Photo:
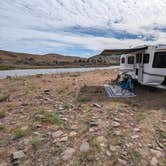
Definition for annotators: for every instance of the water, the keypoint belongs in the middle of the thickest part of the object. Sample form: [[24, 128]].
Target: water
[[30, 72]]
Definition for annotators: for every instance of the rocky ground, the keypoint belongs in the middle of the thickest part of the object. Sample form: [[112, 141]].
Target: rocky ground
[[67, 119]]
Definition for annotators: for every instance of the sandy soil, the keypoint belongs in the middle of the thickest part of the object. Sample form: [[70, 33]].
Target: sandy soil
[[68, 119]]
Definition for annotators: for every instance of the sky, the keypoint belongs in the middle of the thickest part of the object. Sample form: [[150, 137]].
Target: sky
[[80, 27]]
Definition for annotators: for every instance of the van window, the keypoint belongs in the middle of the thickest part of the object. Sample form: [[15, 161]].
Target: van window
[[138, 58], [123, 60], [131, 60], [159, 60], [146, 58]]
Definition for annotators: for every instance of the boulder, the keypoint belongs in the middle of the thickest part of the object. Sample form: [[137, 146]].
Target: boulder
[[18, 155], [115, 124], [154, 161], [68, 153], [57, 134], [84, 147]]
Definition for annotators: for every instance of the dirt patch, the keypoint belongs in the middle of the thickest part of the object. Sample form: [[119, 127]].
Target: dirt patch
[[92, 93]]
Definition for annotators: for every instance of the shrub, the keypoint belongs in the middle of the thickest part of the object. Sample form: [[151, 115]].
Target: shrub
[[2, 127], [83, 99], [66, 106], [36, 142], [4, 97], [2, 114], [39, 112], [54, 118], [49, 117], [19, 133]]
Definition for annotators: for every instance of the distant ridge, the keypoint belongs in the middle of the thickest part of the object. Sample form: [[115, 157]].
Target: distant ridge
[[14, 60]]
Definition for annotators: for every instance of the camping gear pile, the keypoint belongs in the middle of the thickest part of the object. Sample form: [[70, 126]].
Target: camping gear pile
[[122, 86]]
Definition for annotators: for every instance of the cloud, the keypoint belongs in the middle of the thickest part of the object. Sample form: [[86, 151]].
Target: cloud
[[81, 27]]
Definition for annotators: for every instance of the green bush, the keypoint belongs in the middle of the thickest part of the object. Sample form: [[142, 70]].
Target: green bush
[[54, 118], [2, 127], [36, 142], [2, 114], [19, 133]]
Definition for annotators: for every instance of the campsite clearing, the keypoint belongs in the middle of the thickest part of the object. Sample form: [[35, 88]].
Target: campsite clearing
[[68, 119]]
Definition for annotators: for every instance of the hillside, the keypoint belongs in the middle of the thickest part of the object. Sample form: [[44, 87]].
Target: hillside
[[23, 60], [13, 60], [113, 59]]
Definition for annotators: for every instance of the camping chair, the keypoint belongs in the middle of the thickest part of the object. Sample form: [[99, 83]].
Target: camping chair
[[127, 85]]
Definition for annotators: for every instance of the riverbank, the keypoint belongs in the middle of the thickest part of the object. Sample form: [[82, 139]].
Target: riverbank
[[29, 72], [68, 119], [13, 60], [24, 67]]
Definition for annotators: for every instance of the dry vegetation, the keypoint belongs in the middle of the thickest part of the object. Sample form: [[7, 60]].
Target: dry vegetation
[[68, 120], [12, 60]]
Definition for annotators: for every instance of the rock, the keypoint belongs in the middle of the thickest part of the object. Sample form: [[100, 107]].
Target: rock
[[3, 164], [37, 126], [108, 153], [157, 153], [102, 140], [113, 148], [47, 91], [64, 119], [50, 111], [24, 128], [24, 104], [39, 75], [55, 141], [8, 77], [63, 139], [61, 108], [163, 121], [92, 129], [154, 161], [3, 143], [74, 127], [102, 124], [37, 133], [159, 148], [59, 144], [135, 136], [68, 153], [118, 133], [115, 124], [140, 145], [136, 129], [92, 124], [18, 155], [122, 162], [38, 116], [117, 119], [57, 134], [129, 145], [96, 105], [72, 134], [150, 145], [84, 146], [27, 140]]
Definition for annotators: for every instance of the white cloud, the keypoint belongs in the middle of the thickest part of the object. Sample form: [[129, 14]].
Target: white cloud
[[22, 21]]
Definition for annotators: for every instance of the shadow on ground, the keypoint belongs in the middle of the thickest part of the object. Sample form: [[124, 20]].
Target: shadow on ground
[[146, 97], [92, 93]]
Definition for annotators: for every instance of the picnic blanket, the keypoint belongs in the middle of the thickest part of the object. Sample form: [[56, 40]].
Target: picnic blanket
[[115, 91]]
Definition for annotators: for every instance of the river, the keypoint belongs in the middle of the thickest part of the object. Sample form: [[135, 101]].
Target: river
[[30, 72]]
